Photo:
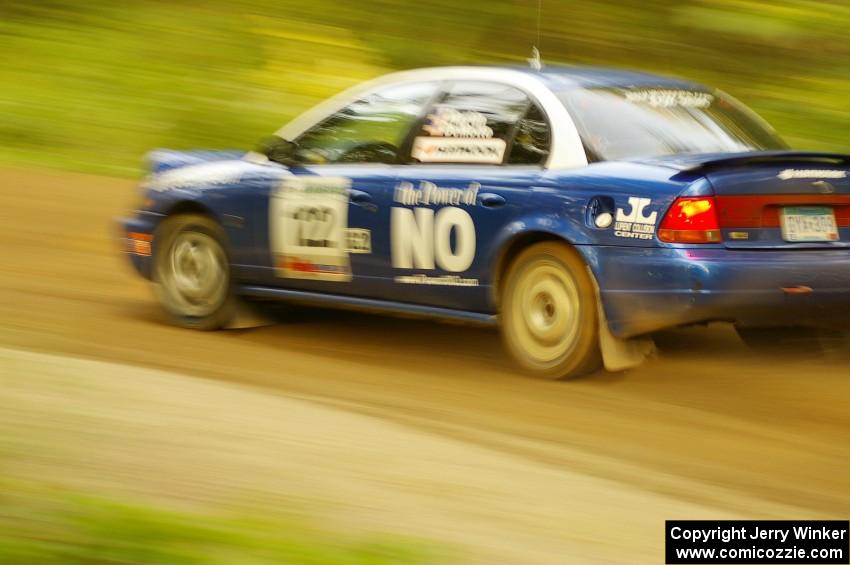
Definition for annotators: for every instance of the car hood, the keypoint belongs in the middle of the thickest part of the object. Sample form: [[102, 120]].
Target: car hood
[[196, 170], [161, 160]]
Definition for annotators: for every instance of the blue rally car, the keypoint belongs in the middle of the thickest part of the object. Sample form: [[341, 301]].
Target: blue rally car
[[578, 208]]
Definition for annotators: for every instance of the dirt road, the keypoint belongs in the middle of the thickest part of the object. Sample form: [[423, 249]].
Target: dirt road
[[707, 429]]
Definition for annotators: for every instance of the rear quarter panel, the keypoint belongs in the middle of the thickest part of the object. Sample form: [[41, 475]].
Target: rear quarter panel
[[636, 195], [565, 204]]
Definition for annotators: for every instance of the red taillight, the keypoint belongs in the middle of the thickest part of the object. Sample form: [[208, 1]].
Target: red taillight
[[691, 219]]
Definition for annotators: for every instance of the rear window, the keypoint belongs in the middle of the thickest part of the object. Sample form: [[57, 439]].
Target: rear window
[[634, 123]]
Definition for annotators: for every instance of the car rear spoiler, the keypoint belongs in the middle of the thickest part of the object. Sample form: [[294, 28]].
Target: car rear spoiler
[[705, 163]]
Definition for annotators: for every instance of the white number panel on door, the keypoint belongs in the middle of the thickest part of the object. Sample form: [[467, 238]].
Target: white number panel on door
[[308, 223]]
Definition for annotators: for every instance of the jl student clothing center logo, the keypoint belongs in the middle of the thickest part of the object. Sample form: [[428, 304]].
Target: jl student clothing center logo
[[636, 224]]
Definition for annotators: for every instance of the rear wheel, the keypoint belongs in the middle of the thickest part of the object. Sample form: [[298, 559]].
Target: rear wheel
[[548, 317], [192, 272]]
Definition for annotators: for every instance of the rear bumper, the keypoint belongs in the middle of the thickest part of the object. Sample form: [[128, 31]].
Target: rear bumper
[[136, 240], [648, 289]]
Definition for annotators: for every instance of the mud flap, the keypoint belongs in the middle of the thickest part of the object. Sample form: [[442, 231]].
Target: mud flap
[[247, 315], [619, 354]]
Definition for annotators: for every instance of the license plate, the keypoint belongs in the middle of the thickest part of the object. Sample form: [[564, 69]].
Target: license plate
[[809, 223]]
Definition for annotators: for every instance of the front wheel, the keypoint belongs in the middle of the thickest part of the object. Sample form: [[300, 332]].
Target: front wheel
[[548, 317], [192, 272]]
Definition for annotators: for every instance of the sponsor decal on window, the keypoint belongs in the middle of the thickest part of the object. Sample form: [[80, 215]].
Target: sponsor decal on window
[[448, 122], [788, 174], [456, 150], [458, 137], [667, 98]]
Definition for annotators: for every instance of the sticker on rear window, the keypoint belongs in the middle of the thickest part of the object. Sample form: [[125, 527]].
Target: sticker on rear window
[[788, 174], [663, 98]]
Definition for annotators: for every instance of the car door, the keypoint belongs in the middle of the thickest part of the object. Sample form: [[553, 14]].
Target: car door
[[472, 162], [325, 219]]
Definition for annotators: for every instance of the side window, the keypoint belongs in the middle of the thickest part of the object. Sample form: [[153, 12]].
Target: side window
[[370, 130], [473, 123], [531, 142]]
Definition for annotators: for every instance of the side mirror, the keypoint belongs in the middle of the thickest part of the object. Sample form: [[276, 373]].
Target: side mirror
[[278, 150]]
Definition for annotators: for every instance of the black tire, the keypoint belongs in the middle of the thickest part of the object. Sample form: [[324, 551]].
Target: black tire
[[549, 318], [191, 272]]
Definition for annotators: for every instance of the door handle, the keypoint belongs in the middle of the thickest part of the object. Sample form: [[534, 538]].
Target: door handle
[[360, 197], [490, 200]]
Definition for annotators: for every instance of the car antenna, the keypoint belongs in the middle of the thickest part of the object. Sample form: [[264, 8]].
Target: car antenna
[[535, 62]]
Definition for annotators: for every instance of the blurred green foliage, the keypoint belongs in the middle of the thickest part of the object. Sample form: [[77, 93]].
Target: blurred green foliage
[[96, 84], [44, 526]]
